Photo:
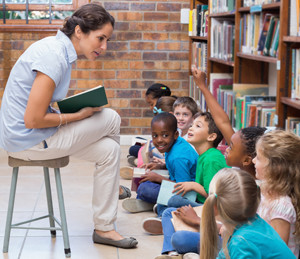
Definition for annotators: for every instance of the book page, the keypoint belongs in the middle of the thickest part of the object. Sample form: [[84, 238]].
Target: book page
[[179, 224]]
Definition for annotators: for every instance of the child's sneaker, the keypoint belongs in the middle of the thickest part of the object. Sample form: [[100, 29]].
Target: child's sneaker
[[153, 226], [191, 256], [171, 255], [132, 160], [136, 205], [126, 172]]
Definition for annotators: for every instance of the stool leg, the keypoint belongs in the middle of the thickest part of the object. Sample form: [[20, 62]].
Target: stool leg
[[63, 219], [49, 200], [10, 209]]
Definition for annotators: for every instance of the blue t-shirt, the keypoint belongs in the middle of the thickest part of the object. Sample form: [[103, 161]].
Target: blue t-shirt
[[181, 161], [256, 239], [52, 56]]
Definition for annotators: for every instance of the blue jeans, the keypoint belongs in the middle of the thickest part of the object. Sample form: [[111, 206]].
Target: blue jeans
[[178, 201], [148, 191], [180, 241]]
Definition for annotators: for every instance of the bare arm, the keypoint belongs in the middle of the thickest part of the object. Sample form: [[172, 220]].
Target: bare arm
[[282, 227], [219, 115], [36, 115], [184, 187]]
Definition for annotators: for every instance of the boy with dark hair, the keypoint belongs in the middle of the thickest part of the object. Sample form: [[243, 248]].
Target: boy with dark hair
[[205, 137], [181, 165]]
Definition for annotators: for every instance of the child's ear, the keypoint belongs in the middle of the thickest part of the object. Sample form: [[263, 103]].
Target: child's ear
[[176, 135], [247, 160], [211, 137], [172, 113]]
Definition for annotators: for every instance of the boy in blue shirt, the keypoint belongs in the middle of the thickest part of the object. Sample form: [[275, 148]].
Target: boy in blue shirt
[[180, 157]]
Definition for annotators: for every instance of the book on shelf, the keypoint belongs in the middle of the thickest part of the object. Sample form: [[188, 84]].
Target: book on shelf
[[94, 97], [263, 33], [294, 18], [139, 172], [166, 192], [217, 79], [275, 42], [293, 124], [270, 35]]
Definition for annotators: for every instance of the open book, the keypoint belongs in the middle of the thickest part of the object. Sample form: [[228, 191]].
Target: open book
[[166, 192], [94, 97], [137, 176]]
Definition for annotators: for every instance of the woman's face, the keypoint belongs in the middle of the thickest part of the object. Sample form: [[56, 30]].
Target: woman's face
[[94, 43]]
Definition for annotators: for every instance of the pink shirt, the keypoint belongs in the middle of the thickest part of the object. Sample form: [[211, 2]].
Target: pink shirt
[[280, 208]]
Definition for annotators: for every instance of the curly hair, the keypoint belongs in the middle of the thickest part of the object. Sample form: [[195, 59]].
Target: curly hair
[[282, 175], [250, 135]]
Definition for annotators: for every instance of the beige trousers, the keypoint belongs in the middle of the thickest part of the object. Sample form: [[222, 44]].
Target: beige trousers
[[95, 139]]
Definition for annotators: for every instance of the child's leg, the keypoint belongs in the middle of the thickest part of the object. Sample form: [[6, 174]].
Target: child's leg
[[178, 201], [186, 241], [168, 230], [134, 150], [148, 191]]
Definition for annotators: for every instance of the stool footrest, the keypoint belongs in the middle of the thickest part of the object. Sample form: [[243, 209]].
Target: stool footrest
[[16, 225]]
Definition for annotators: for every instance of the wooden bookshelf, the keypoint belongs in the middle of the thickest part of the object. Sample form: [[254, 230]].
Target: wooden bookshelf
[[248, 68]]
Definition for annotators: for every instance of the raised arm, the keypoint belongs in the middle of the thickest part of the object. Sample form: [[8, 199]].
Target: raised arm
[[36, 115], [219, 115]]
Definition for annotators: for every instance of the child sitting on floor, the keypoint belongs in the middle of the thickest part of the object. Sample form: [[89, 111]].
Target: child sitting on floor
[[205, 137], [184, 110], [277, 165], [234, 198], [181, 165]]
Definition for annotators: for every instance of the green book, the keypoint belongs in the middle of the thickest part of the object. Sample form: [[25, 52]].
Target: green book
[[94, 97]]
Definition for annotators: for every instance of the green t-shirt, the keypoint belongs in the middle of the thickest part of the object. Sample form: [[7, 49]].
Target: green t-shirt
[[209, 163]]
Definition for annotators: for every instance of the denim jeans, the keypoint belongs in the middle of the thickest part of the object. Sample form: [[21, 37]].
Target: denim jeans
[[148, 191], [178, 201], [180, 241]]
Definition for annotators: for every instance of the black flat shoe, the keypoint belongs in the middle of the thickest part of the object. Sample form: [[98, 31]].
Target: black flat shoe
[[130, 242]]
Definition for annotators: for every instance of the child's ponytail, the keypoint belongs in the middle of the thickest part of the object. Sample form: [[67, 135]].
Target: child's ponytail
[[208, 246]]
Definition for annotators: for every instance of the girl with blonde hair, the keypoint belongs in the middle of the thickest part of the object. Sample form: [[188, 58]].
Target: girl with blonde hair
[[234, 198], [277, 165]]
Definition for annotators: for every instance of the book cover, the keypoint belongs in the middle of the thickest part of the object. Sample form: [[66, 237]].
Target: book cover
[[270, 33], [165, 193], [263, 32], [217, 79], [275, 42], [137, 176], [94, 97]]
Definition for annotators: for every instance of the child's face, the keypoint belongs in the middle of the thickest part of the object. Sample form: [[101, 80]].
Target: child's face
[[184, 117], [151, 101], [235, 153], [163, 138], [260, 162], [198, 132]]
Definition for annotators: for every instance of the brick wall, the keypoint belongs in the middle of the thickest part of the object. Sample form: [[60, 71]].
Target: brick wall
[[148, 45]]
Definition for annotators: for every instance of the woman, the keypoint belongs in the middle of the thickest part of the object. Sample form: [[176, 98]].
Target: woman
[[31, 130]]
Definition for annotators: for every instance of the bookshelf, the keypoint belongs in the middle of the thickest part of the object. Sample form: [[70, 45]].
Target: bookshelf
[[252, 68]]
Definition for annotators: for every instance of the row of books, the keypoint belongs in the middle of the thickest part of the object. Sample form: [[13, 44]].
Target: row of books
[[221, 6], [196, 94], [198, 22], [248, 3], [199, 55], [222, 39], [294, 18], [293, 124], [245, 104], [295, 77], [259, 34]]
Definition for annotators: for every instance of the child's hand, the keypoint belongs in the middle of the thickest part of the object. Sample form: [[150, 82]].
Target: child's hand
[[159, 160], [183, 188], [152, 177], [199, 76], [188, 215], [152, 166]]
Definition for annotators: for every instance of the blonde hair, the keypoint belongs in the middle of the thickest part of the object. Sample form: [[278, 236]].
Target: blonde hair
[[165, 103], [236, 196], [282, 174]]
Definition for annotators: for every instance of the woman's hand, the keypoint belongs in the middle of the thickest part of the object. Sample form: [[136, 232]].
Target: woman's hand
[[188, 215], [88, 112], [183, 188]]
